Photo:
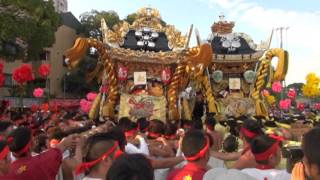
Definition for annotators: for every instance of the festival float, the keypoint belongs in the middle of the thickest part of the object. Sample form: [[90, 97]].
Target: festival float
[[148, 70], [241, 69]]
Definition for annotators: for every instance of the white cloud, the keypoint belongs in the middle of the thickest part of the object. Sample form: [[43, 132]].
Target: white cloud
[[303, 34]]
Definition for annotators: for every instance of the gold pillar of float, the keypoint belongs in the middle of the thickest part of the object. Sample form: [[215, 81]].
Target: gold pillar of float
[[279, 75], [73, 58], [196, 61]]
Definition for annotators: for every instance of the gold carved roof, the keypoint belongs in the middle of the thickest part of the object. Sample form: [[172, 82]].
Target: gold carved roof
[[146, 18]]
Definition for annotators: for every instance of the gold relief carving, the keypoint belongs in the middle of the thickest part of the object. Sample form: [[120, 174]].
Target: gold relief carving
[[147, 17], [176, 40], [118, 33]]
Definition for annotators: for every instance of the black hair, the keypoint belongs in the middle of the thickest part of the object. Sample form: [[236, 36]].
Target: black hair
[[234, 127], [143, 124], [118, 135], [197, 124], [40, 143], [230, 144], [124, 123], [186, 124], [260, 144], [97, 145], [3, 144], [193, 141], [4, 125], [210, 122], [253, 126], [310, 148], [156, 126], [171, 128], [131, 167], [20, 138]]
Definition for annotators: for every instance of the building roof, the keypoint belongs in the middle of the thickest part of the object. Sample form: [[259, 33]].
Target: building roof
[[69, 20]]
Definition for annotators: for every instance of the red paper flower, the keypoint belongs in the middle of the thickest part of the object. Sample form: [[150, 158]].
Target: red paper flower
[[300, 106], [85, 105], [44, 70], [38, 92], [23, 74], [91, 96], [292, 93], [104, 89], [285, 104], [277, 87]]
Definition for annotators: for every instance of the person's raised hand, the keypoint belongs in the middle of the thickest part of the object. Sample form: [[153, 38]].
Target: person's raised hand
[[68, 142], [298, 172]]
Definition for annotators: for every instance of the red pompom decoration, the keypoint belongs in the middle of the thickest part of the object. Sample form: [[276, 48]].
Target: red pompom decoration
[[292, 93], [38, 92], [104, 89], [85, 105], [44, 70], [285, 104], [23, 74], [300, 106], [277, 87], [91, 96]]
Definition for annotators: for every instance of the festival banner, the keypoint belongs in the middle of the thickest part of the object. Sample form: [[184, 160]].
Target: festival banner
[[150, 107]]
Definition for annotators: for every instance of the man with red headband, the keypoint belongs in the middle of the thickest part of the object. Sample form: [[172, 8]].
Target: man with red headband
[[102, 150], [245, 159], [42, 166], [195, 147], [267, 153]]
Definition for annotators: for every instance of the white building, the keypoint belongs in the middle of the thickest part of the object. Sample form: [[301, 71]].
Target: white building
[[61, 6]]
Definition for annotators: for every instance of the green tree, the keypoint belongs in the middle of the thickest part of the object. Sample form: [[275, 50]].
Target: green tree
[[91, 21], [130, 18], [26, 28]]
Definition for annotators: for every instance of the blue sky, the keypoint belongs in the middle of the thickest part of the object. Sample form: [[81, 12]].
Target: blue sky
[[256, 18]]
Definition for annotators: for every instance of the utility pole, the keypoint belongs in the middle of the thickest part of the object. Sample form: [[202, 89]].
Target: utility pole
[[281, 34], [283, 83]]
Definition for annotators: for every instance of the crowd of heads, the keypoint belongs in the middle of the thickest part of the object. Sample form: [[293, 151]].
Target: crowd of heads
[[119, 149]]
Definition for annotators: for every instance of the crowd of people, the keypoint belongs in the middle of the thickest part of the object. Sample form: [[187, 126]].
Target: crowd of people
[[65, 145]]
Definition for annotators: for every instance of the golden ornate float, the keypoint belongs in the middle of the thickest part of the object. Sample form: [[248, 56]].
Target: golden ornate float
[[149, 46]]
